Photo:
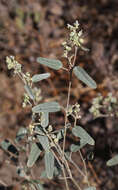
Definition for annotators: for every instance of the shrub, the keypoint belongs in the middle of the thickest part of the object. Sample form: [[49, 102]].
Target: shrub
[[40, 135]]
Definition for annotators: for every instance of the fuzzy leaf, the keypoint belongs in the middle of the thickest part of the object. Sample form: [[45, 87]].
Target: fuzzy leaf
[[90, 188], [5, 144], [39, 186], [113, 161], [34, 154], [82, 134], [57, 172], [21, 134], [44, 142], [44, 119], [60, 134], [29, 92], [82, 75], [8, 146], [49, 164], [37, 183], [46, 107], [39, 130], [52, 63], [39, 77], [75, 148]]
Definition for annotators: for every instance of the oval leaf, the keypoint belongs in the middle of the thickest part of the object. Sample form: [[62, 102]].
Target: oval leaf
[[29, 92], [5, 144], [52, 63], [82, 75], [82, 134], [39, 130], [113, 161], [21, 134], [44, 119], [37, 183], [49, 164], [39, 77], [44, 142], [46, 107], [90, 188], [60, 134], [34, 154], [8, 146], [75, 148]]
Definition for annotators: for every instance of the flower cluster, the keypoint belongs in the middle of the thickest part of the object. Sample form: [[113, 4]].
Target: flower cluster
[[26, 100], [75, 39], [37, 94], [74, 111], [28, 78], [13, 64], [96, 105], [107, 106]]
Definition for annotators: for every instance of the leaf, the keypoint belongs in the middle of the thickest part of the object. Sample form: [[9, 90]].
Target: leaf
[[82, 134], [82, 75], [37, 183], [60, 134], [44, 119], [39, 130], [5, 144], [8, 146], [49, 164], [39, 186], [29, 92], [46, 107], [75, 148], [113, 161], [68, 155], [52, 63], [21, 134], [34, 154], [90, 188], [44, 142], [39, 77]]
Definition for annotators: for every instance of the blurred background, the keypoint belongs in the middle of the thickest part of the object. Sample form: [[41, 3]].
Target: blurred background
[[29, 29]]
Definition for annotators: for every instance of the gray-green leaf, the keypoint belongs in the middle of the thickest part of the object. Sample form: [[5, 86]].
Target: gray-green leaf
[[46, 107], [44, 119], [5, 144], [29, 92], [52, 63], [44, 142], [34, 154], [21, 134], [82, 134], [39, 77], [75, 148], [60, 134], [113, 161], [90, 188], [37, 183], [49, 164], [82, 75], [8, 146]]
